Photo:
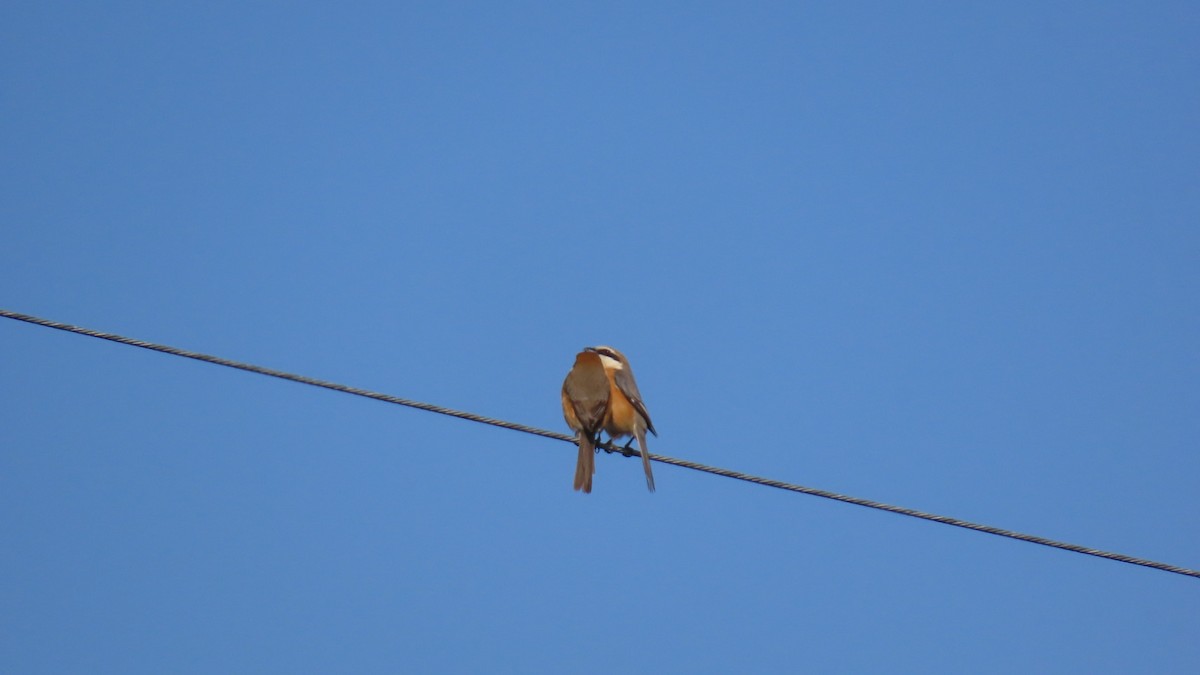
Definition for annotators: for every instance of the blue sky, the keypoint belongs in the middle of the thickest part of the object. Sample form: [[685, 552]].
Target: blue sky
[[943, 255]]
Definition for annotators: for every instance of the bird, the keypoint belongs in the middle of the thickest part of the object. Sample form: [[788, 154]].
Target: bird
[[626, 414], [586, 395]]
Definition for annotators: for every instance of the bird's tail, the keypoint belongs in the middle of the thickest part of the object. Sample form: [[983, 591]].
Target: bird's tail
[[641, 439], [585, 467]]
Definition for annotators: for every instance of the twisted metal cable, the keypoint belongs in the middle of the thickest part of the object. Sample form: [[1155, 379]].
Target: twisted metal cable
[[609, 447], [175, 351]]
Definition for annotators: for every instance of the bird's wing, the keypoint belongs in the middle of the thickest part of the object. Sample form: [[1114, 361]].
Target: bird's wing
[[628, 386]]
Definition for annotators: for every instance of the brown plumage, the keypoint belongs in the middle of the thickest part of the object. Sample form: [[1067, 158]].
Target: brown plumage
[[585, 400], [627, 414]]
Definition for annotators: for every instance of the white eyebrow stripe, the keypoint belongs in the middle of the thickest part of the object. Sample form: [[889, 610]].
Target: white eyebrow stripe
[[610, 362]]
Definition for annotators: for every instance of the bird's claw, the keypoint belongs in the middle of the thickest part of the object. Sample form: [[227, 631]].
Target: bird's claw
[[608, 447]]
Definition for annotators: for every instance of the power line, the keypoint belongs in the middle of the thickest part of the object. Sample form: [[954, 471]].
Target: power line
[[946, 520]]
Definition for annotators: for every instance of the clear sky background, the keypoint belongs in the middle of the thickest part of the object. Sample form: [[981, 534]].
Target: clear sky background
[[942, 255]]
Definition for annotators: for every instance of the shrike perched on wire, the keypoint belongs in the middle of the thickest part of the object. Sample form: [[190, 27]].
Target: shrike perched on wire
[[600, 393]]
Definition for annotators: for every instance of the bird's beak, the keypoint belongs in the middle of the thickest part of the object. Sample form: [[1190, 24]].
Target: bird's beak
[[589, 349]]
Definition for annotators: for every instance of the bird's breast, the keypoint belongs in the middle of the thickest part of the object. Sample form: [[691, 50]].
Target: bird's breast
[[622, 419]]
